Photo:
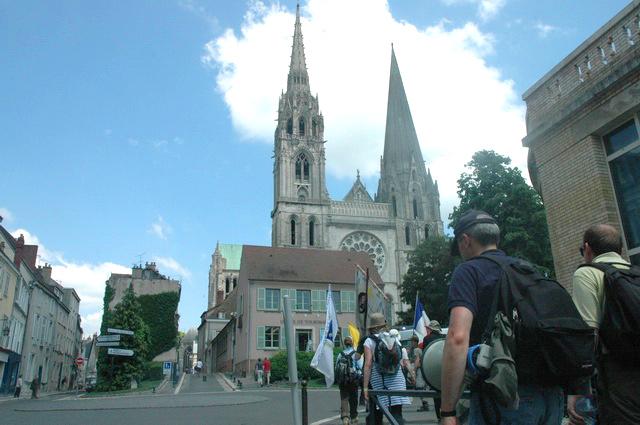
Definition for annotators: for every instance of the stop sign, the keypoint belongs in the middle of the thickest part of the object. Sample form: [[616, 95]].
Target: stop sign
[[79, 361]]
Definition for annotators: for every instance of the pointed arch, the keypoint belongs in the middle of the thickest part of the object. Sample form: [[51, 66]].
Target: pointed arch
[[312, 231], [415, 208], [426, 231], [314, 127], [394, 205], [303, 167], [290, 126], [407, 235], [301, 126], [293, 226], [303, 194]]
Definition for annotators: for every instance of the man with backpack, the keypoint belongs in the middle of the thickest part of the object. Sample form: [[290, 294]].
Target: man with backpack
[[348, 374], [606, 291], [520, 317]]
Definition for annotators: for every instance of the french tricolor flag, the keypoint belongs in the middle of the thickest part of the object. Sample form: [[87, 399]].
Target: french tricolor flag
[[420, 320]]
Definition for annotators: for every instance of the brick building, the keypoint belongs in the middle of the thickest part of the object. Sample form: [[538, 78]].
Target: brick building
[[582, 131]]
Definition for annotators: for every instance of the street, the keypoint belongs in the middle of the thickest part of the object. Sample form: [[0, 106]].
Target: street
[[197, 403]]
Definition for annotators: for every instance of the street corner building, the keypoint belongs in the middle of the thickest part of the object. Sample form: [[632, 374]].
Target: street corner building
[[583, 124], [251, 320], [159, 296]]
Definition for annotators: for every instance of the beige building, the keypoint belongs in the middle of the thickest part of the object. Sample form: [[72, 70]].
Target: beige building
[[267, 274], [582, 130]]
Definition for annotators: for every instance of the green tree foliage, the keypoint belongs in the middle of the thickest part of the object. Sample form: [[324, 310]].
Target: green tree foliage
[[159, 313], [429, 273], [493, 186], [103, 360], [127, 315]]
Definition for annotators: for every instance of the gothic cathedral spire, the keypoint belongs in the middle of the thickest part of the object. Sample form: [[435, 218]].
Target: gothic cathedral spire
[[298, 75]]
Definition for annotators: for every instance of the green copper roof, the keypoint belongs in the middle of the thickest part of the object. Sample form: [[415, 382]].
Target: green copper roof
[[232, 253]]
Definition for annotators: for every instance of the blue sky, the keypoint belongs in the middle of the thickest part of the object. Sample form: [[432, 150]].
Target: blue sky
[[145, 128]]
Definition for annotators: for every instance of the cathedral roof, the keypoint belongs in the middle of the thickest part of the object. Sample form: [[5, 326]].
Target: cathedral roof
[[358, 192], [400, 139], [232, 253]]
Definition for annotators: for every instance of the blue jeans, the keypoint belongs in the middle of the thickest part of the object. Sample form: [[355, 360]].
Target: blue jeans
[[538, 406]]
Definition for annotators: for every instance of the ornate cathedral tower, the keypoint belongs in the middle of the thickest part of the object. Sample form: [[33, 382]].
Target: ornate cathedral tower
[[405, 183], [299, 158]]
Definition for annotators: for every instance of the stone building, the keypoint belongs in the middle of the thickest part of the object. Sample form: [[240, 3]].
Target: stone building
[[406, 207], [255, 329], [223, 272], [583, 124]]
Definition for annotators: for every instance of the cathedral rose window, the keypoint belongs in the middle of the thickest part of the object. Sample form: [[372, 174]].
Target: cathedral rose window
[[365, 242]]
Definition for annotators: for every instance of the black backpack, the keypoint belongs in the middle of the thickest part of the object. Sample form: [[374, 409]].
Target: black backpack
[[386, 360], [553, 344], [620, 327], [346, 372]]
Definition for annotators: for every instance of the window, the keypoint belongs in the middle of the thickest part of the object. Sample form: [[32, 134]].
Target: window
[[304, 340], [301, 126], [227, 288], [394, 206], [337, 338], [268, 337], [290, 126], [415, 208], [426, 231], [318, 300], [235, 283], [603, 55], [347, 301], [407, 235], [293, 231], [268, 299], [623, 149], [291, 293], [336, 301], [303, 300], [302, 168], [312, 225], [314, 127]]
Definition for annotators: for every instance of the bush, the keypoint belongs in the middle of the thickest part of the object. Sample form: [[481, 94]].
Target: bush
[[153, 371], [280, 366]]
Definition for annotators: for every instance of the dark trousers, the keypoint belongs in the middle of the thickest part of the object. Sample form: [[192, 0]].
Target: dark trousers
[[16, 394], [618, 393], [375, 415], [349, 401]]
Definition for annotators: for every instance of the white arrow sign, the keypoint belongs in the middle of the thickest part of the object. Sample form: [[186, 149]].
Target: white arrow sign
[[119, 331], [108, 344], [119, 352], [109, 338]]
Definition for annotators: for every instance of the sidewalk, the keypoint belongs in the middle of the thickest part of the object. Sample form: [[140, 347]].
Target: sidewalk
[[27, 395]]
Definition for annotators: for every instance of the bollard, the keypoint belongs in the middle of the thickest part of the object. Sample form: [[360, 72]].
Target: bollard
[[305, 407]]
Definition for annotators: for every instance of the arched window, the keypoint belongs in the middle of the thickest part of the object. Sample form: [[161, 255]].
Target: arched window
[[227, 287], [301, 126], [415, 208], [314, 128], [302, 168], [303, 194], [426, 231], [394, 205], [407, 235], [312, 230], [290, 126], [235, 283], [293, 231]]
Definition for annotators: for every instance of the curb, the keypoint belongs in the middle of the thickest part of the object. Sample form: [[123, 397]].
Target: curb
[[226, 381], [179, 386]]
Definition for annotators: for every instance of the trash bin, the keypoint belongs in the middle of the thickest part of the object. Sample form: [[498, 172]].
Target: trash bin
[[204, 378]]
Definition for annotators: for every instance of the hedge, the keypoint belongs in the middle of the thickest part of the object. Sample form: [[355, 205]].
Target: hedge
[[280, 366]]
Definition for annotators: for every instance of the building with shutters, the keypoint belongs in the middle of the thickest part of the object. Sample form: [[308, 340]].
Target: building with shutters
[[254, 308], [583, 127]]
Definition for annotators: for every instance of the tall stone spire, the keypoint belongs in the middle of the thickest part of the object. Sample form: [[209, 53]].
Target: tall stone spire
[[400, 141], [298, 75]]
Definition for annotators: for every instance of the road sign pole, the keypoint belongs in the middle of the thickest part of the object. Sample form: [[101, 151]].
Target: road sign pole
[[293, 364]]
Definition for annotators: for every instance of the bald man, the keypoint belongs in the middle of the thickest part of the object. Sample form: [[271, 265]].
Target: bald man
[[618, 383]]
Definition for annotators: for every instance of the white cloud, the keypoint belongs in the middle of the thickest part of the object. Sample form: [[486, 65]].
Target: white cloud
[[86, 278], [459, 103], [6, 215], [160, 228], [486, 9], [544, 29], [168, 263]]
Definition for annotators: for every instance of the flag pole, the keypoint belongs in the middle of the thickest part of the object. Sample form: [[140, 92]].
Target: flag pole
[[366, 301]]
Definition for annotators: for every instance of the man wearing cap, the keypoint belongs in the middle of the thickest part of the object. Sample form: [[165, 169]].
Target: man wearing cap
[[471, 293]]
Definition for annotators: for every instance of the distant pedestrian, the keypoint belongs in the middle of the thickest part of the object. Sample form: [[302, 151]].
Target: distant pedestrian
[[259, 372], [348, 374], [266, 368], [16, 394], [35, 387]]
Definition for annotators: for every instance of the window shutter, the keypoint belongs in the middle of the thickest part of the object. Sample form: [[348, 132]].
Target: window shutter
[[316, 300], [261, 336], [348, 301], [321, 334], [261, 298]]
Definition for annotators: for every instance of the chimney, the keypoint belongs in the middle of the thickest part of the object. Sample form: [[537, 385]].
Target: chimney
[[150, 266], [45, 271], [19, 248], [136, 272]]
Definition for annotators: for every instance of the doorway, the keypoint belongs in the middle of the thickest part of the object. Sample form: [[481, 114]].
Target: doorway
[[304, 340]]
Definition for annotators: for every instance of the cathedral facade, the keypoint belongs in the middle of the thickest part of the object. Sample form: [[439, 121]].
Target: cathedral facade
[[405, 209]]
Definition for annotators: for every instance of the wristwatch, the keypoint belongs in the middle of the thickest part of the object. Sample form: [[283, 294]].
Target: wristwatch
[[448, 413]]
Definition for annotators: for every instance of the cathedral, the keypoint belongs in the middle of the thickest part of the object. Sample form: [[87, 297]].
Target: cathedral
[[406, 206]]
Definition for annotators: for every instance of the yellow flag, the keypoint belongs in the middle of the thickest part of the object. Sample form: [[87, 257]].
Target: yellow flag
[[355, 334]]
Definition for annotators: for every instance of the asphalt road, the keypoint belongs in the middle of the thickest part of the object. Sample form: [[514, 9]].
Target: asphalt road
[[192, 406]]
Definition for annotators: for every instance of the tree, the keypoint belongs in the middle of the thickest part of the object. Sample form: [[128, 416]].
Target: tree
[[493, 186], [429, 273], [117, 372]]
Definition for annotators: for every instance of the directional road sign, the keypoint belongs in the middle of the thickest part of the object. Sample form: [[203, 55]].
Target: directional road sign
[[119, 352], [109, 338], [108, 344], [166, 368], [119, 331]]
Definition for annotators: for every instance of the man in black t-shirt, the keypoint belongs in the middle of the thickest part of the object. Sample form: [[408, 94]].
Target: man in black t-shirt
[[471, 293]]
